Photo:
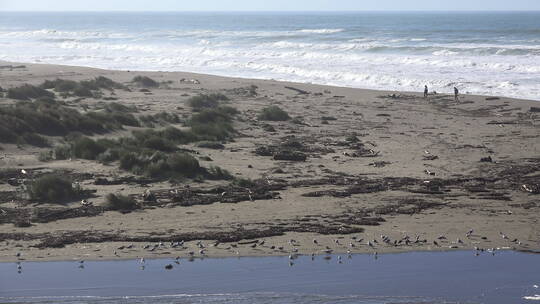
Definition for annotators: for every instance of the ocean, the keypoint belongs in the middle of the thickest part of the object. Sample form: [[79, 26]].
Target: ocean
[[491, 53], [457, 277]]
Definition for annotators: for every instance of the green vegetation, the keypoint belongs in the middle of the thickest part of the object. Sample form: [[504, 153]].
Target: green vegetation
[[212, 124], [46, 156], [145, 81], [27, 92], [206, 101], [33, 139], [162, 118], [120, 202], [218, 173], [152, 153], [25, 121], [273, 113], [85, 88], [115, 107], [52, 189], [211, 145]]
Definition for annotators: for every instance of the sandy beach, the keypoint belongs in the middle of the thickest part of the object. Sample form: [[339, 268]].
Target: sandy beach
[[378, 163]]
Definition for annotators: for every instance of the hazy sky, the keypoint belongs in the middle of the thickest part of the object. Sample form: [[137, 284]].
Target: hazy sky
[[266, 5]]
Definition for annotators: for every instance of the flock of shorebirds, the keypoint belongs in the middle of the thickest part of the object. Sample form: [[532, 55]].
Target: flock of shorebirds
[[293, 247]]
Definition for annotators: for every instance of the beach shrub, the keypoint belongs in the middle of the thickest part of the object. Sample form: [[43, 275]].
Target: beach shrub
[[161, 118], [45, 156], [34, 140], [206, 100], [183, 164], [83, 92], [102, 82], [20, 123], [218, 173], [62, 152], [52, 188], [212, 125], [352, 138], [145, 81], [244, 183], [60, 85], [211, 145], [120, 202], [273, 113], [28, 91], [86, 148], [6, 135], [115, 107], [84, 88]]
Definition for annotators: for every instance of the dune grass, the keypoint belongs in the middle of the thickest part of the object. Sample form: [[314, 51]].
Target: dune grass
[[145, 81], [160, 119], [26, 122], [52, 189], [120, 202], [273, 113], [27, 92], [84, 88], [206, 101]]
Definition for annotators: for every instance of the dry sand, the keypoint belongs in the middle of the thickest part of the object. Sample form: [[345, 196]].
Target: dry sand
[[485, 197]]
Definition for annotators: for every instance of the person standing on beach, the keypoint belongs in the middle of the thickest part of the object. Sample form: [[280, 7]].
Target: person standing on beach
[[425, 91], [456, 94]]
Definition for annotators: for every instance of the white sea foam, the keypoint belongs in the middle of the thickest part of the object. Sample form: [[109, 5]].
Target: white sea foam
[[376, 62], [321, 31], [532, 298]]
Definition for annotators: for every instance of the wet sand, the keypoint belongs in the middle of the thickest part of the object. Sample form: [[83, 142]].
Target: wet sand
[[413, 176]]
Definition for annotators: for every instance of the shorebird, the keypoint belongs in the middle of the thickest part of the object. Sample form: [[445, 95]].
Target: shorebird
[[315, 242], [169, 266], [142, 260], [85, 203], [18, 254], [468, 234], [24, 171]]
